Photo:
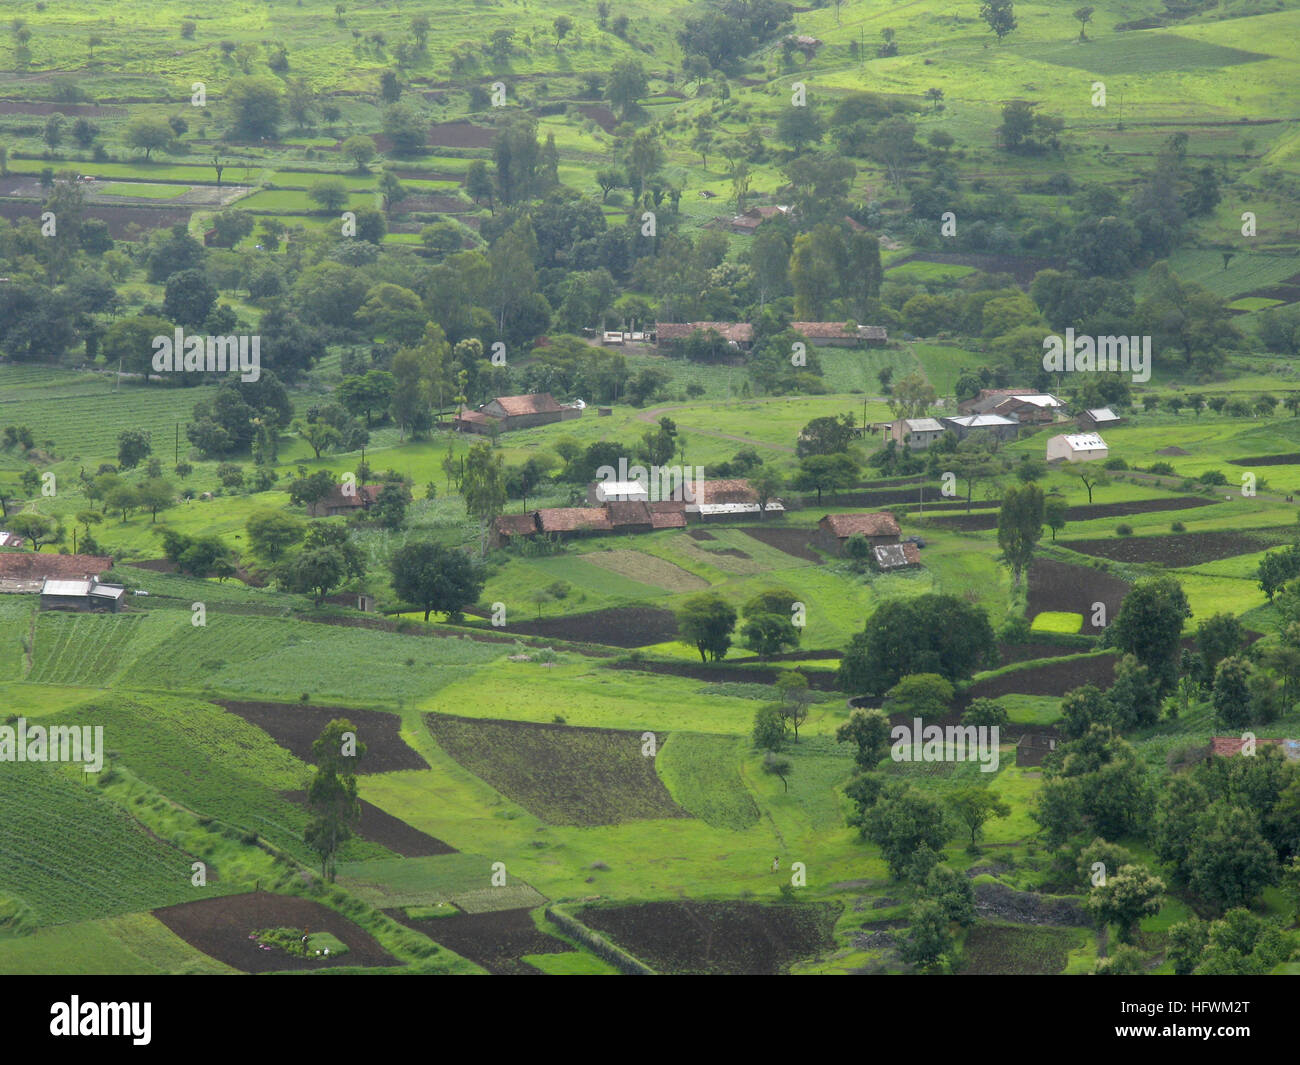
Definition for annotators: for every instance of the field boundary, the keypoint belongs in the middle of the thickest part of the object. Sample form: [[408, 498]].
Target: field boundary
[[624, 962]]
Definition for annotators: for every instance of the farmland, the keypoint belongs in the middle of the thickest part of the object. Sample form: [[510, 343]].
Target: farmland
[[460, 234]]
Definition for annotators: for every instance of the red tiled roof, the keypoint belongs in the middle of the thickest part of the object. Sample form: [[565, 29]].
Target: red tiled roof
[[627, 512], [364, 495], [476, 417], [730, 491], [37, 566], [741, 332], [845, 525], [1227, 746], [534, 403], [515, 525], [836, 331], [571, 519], [667, 514]]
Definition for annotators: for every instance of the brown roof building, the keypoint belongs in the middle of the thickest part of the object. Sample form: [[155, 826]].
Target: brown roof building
[[835, 529], [834, 334], [516, 412], [339, 502], [28, 571], [739, 333]]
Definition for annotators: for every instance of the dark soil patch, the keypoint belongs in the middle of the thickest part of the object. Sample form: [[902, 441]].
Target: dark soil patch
[[818, 680], [124, 223], [461, 135], [1290, 459], [220, 928], [1058, 586], [1028, 652], [883, 497], [1053, 679], [426, 175], [563, 775], [354, 621], [497, 941], [296, 727], [1010, 950], [433, 204], [1172, 449], [602, 116], [734, 552], [700, 534], [381, 827], [1180, 549], [717, 937], [1085, 512], [791, 541], [1024, 907], [620, 626]]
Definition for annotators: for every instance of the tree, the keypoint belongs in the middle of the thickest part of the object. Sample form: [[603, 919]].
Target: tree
[[706, 622], [828, 435], [973, 463], [189, 298], [829, 472], [314, 570], [133, 447], [928, 939], [1091, 479], [331, 193], [1000, 16], [799, 127], [122, 497], [318, 435], [433, 577], [778, 765], [1125, 898], [769, 727], [256, 106], [1083, 15], [37, 529], [332, 794], [1228, 862], [920, 695], [405, 127], [360, 149], [1218, 637], [562, 25], [765, 481], [923, 634], [869, 731], [974, 806], [900, 822], [769, 626], [796, 697], [1149, 624], [1232, 702], [627, 84], [1054, 513], [148, 133], [1020, 526], [156, 494], [986, 712], [272, 532], [484, 487]]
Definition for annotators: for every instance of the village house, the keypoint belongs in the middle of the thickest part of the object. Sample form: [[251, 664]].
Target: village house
[[1076, 447], [890, 557], [748, 221], [720, 500], [361, 498], [566, 523], [990, 426], [917, 433], [87, 595], [27, 572], [837, 335], [1033, 747], [8, 539], [1024, 405], [1230, 746], [1096, 418], [738, 335], [834, 530], [601, 492], [516, 412]]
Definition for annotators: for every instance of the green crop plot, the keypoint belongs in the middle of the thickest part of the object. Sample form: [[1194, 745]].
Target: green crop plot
[[1150, 53]]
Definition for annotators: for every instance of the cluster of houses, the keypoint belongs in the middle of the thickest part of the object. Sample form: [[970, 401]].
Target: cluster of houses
[[998, 414], [618, 507], [64, 582]]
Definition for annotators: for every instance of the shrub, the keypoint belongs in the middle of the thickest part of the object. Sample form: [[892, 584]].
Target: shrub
[[1163, 469], [1124, 529], [1178, 526], [1116, 463]]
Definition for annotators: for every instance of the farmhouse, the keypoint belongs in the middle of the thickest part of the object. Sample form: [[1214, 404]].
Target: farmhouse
[[516, 412], [600, 492], [1098, 418], [1076, 447], [1024, 405], [890, 557], [565, 523], [362, 497], [719, 500], [1033, 747], [1228, 746], [81, 595], [917, 433], [8, 539], [28, 572], [750, 220], [736, 334], [990, 426], [839, 335], [834, 530]]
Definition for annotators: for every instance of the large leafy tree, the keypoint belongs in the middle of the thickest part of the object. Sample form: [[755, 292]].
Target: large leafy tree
[[706, 622], [1149, 624], [434, 577], [332, 794], [1020, 526]]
